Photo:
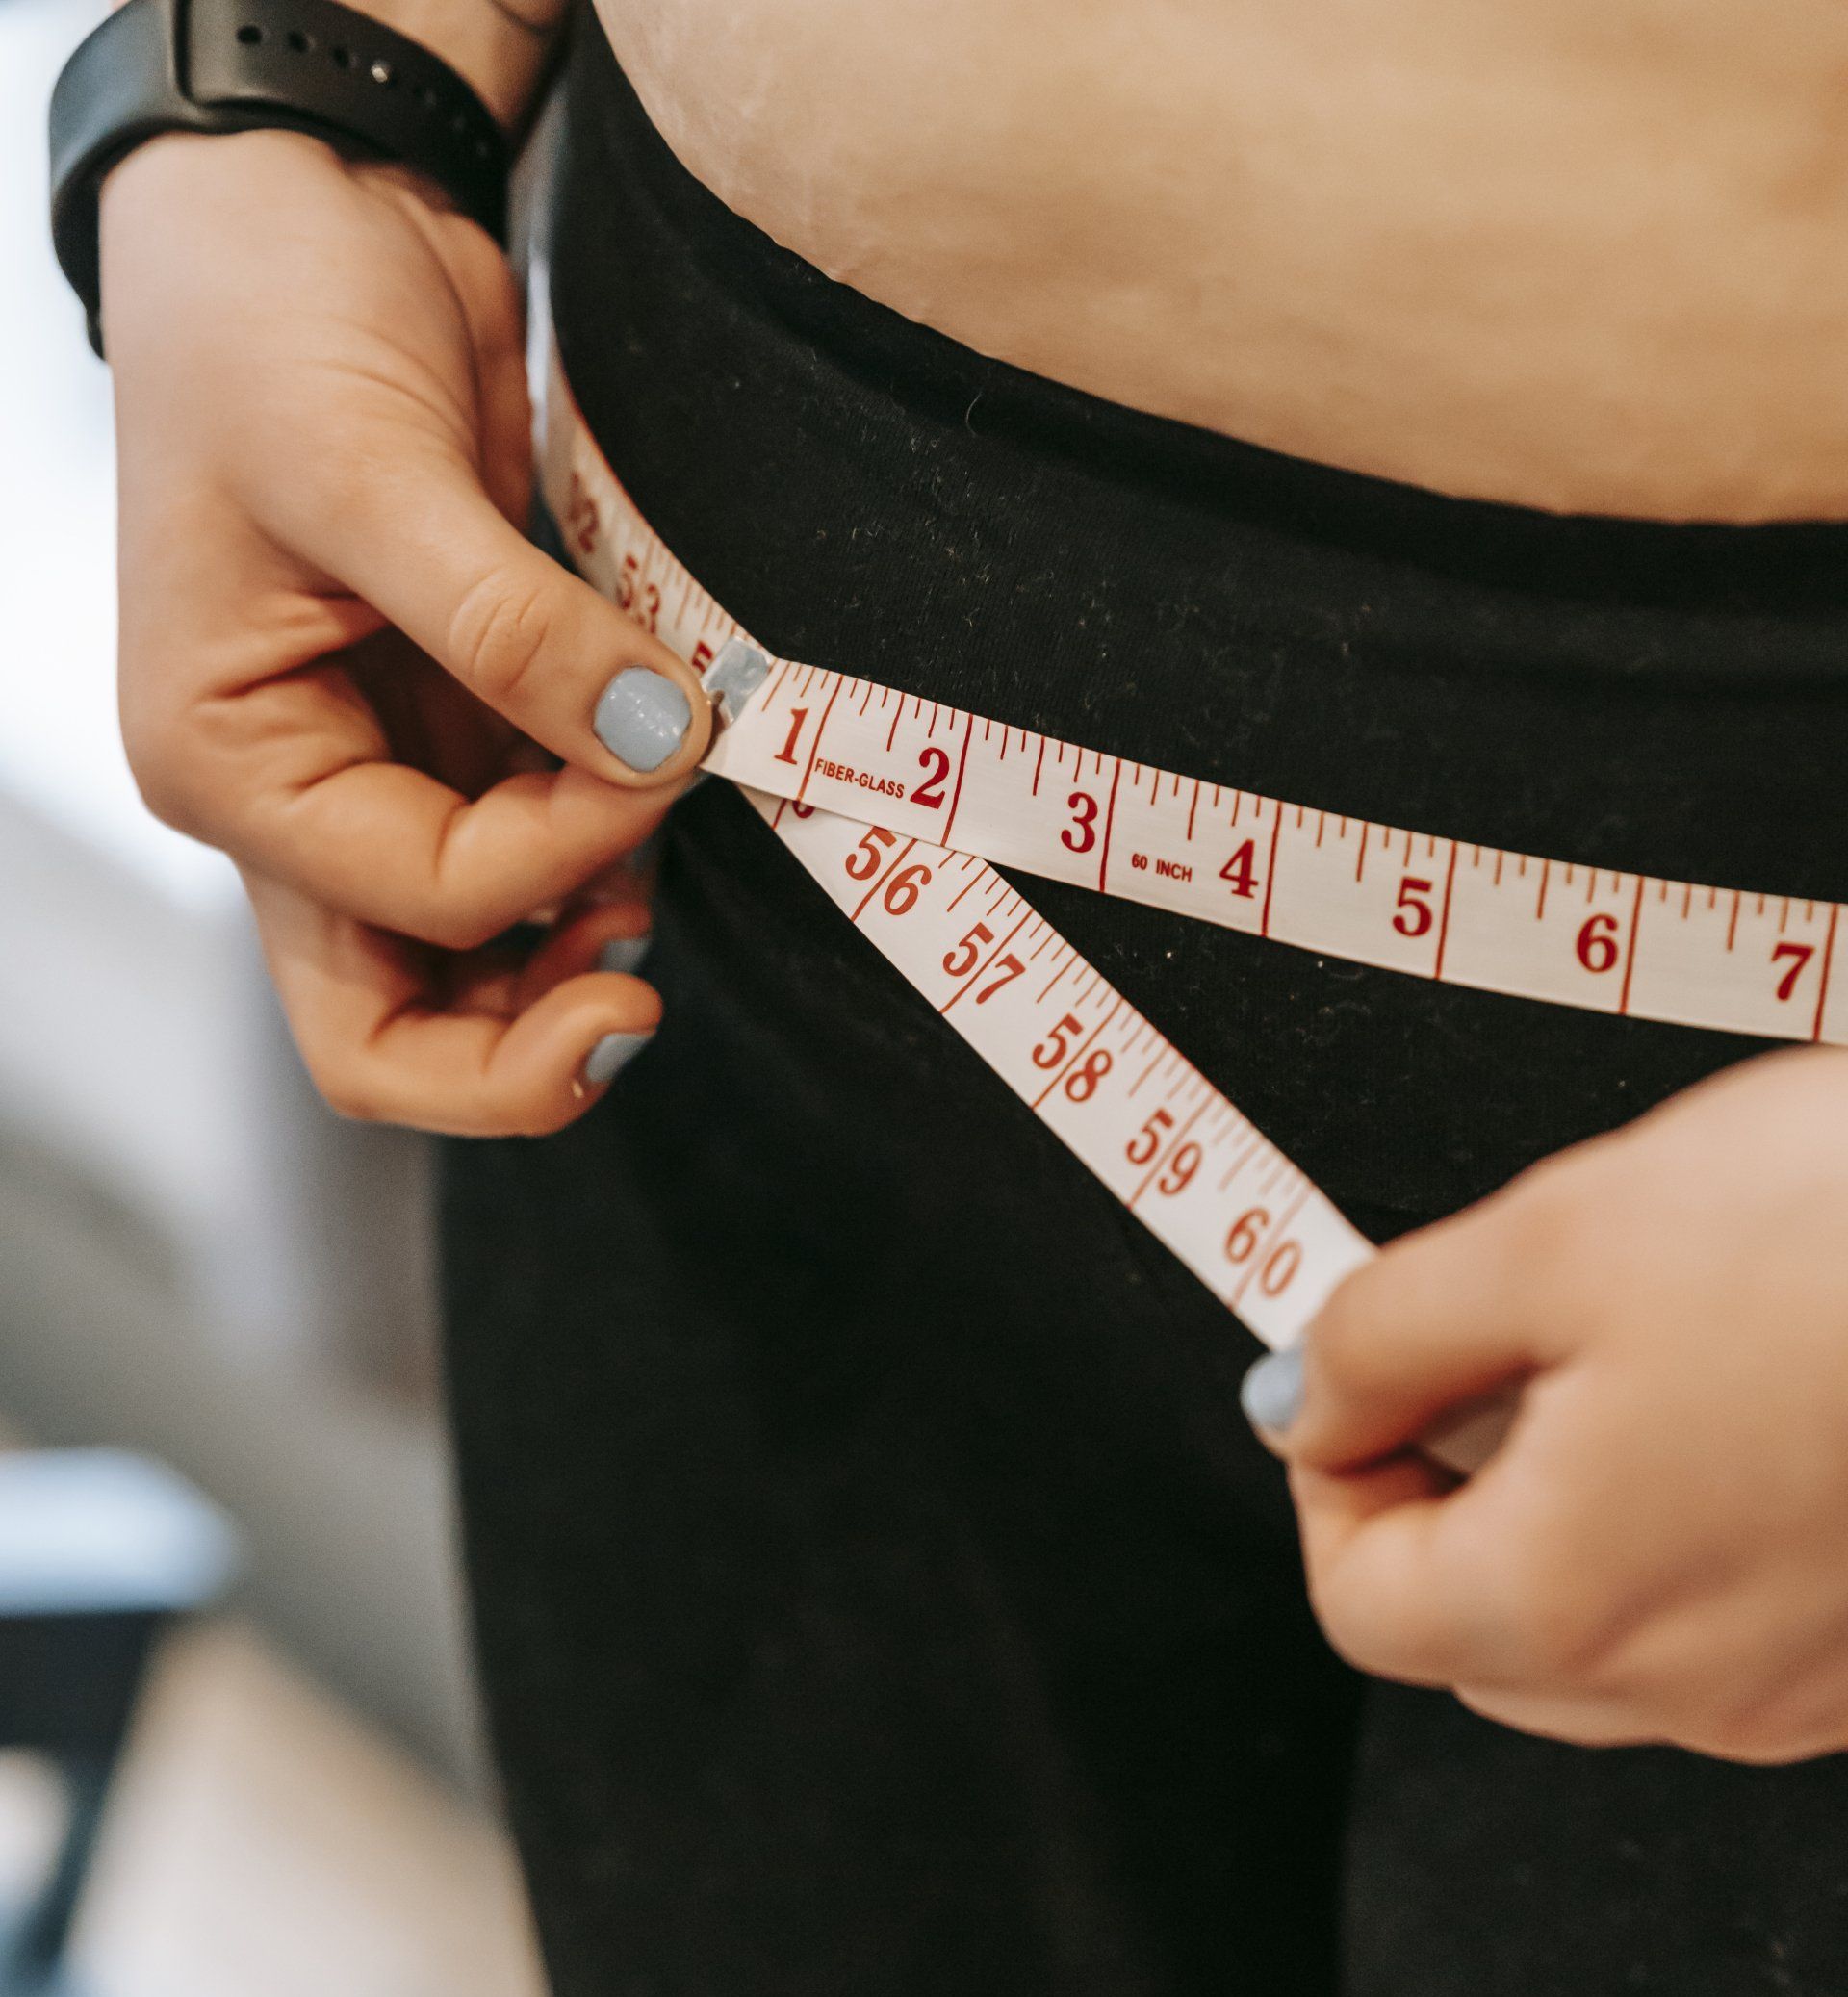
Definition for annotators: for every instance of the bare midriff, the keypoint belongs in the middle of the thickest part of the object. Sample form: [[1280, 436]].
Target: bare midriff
[[1586, 255]]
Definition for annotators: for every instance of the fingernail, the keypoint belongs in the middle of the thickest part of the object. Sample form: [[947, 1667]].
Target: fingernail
[[623, 954], [641, 717], [1272, 1392], [611, 1054], [735, 676]]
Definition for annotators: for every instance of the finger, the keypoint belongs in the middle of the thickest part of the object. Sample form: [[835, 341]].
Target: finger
[[419, 538], [296, 778], [381, 1045], [494, 305], [492, 300], [393, 847], [1440, 1320], [244, 731], [610, 937], [1586, 1723], [1395, 1588]]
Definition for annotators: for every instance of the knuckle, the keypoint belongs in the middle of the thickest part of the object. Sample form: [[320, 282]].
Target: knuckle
[[498, 634], [1354, 1642], [346, 1090], [160, 767], [1370, 1635], [455, 913], [1379, 1648], [1559, 1640], [1545, 1219], [457, 926], [351, 1104], [166, 798], [1560, 1631]]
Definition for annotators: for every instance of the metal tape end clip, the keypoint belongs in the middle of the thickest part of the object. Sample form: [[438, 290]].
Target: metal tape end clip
[[734, 676]]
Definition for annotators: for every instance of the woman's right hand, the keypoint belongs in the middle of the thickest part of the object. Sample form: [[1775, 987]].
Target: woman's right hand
[[341, 661]]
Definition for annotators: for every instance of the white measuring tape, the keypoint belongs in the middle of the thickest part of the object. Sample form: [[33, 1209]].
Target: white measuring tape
[[897, 807]]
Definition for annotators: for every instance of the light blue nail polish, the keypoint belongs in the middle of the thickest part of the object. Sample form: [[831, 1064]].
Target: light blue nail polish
[[1272, 1392], [641, 718], [611, 1054], [735, 676], [623, 954]]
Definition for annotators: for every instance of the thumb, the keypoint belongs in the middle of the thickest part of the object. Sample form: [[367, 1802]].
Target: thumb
[[426, 547], [1439, 1321]]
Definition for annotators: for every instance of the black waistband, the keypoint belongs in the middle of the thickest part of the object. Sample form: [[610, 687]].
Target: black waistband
[[865, 493], [861, 492]]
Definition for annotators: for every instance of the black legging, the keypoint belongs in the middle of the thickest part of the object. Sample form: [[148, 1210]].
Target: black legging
[[878, 1589]]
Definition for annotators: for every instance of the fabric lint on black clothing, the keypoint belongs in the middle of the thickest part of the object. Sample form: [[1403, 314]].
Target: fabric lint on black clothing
[[878, 1589]]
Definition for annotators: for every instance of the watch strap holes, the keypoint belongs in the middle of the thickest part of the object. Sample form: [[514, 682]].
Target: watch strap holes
[[299, 41], [249, 35]]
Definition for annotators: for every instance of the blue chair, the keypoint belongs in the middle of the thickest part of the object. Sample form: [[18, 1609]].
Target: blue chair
[[100, 1553]]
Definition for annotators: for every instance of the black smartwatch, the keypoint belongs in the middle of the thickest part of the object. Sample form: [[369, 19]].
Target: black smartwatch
[[238, 66]]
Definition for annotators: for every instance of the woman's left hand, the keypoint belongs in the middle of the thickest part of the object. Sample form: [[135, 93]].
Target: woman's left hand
[[1658, 1551]]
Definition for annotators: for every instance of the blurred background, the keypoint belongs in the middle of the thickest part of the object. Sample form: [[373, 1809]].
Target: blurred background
[[234, 1687]]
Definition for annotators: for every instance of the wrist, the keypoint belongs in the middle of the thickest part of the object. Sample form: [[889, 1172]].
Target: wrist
[[214, 68], [500, 48]]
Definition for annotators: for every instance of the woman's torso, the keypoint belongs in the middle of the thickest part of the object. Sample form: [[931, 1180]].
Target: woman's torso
[[877, 1587], [1581, 256]]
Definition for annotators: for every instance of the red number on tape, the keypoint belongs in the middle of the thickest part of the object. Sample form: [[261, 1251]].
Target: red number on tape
[[1598, 943], [1414, 917], [1081, 1085], [1179, 1170], [1053, 1049], [1800, 955], [1246, 1232], [869, 856], [1241, 870], [1147, 1141], [902, 890], [967, 954], [1279, 1266], [1009, 968], [787, 753], [937, 764]]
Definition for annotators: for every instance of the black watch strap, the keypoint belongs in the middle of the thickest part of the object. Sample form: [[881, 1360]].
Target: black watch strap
[[235, 65]]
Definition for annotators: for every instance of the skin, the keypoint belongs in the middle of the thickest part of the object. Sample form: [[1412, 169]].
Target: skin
[[1660, 1549], [341, 663], [1581, 255]]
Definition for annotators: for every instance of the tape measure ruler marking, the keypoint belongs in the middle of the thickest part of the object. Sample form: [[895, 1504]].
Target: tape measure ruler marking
[[865, 786], [1447, 910], [1090, 1065]]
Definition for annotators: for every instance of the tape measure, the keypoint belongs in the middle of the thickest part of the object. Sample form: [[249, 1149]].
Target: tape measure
[[901, 808]]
